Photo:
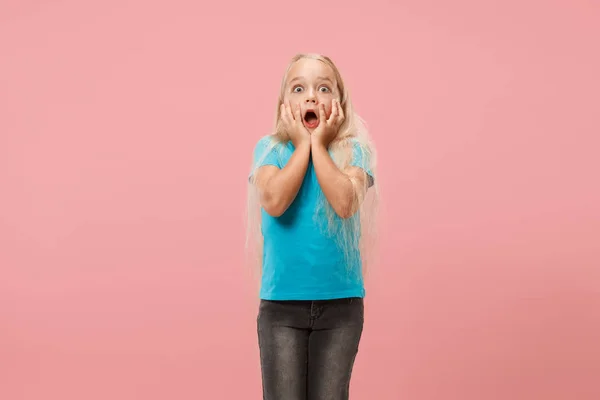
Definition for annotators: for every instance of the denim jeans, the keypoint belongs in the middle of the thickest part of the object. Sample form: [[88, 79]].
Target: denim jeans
[[307, 348]]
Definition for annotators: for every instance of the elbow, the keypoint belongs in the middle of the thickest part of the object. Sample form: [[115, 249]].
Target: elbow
[[273, 206], [347, 208], [345, 214], [274, 211], [347, 204], [345, 211]]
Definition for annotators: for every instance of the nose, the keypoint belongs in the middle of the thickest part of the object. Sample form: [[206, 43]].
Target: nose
[[310, 97]]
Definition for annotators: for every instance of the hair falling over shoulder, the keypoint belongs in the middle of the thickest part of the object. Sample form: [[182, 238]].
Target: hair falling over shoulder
[[356, 235]]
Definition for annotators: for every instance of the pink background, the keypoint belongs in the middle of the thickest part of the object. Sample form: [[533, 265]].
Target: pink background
[[126, 129]]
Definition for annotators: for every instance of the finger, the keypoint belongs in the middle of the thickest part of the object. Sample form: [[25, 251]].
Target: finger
[[289, 110], [283, 113], [340, 111], [334, 113], [322, 116], [297, 114]]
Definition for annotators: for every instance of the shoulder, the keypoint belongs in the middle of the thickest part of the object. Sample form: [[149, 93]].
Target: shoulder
[[264, 142], [269, 142], [270, 150], [362, 155], [358, 144], [264, 145], [361, 150]]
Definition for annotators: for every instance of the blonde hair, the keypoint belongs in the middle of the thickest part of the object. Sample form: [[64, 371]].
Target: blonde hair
[[354, 234]]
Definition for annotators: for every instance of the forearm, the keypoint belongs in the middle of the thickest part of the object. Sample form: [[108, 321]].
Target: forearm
[[336, 185], [282, 187]]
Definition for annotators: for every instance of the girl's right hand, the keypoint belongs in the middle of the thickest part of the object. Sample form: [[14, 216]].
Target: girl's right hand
[[293, 125]]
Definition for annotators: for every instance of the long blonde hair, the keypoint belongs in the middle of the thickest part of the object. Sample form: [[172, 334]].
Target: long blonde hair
[[357, 233]]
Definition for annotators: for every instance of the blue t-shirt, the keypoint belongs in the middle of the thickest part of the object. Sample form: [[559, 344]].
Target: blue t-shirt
[[301, 261]]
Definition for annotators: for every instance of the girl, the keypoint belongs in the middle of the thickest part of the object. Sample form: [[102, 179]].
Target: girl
[[310, 182]]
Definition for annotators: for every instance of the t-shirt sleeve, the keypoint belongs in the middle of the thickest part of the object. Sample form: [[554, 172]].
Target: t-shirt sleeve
[[265, 153], [361, 157]]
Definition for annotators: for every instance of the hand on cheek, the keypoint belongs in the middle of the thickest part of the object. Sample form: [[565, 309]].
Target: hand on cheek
[[291, 119], [329, 125]]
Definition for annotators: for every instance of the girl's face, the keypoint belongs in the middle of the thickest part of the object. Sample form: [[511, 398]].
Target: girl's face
[[311, 83]]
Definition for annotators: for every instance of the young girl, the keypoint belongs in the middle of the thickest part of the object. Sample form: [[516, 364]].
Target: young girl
[[310, 181]]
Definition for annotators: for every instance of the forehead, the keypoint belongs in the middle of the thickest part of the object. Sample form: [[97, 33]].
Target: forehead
[[310, 69]]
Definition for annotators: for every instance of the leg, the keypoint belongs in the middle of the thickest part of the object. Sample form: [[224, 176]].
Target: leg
[[333, 346], [283, 343]]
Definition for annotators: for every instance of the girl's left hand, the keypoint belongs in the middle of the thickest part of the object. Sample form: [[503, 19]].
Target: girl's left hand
[[328, 128]]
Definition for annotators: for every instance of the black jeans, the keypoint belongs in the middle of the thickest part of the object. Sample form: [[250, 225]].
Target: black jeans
[[307, 348]]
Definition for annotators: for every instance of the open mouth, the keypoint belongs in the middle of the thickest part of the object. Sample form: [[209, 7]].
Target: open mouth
[[311, 119]]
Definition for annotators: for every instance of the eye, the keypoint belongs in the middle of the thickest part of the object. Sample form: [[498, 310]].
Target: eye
[[324, 89], [297, 89]]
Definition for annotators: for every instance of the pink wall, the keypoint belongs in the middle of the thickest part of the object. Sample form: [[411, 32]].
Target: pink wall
[[125, 136]]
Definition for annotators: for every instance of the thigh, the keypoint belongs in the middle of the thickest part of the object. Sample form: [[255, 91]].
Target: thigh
[[333, 347], [283, 345]]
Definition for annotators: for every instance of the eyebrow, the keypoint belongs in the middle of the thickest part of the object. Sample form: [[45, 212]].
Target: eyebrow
[[322, 78]]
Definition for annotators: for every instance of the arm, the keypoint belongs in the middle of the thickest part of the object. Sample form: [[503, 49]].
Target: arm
[[278, 187], [344, 190]]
